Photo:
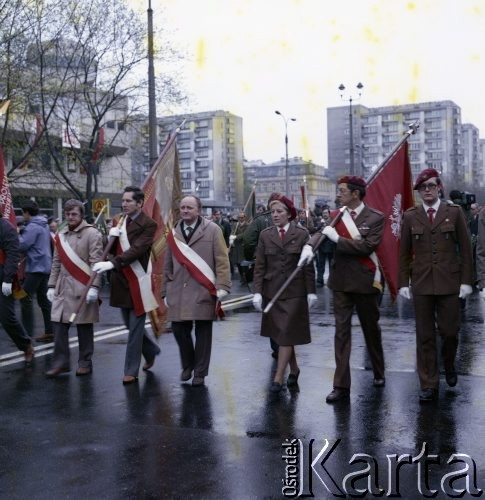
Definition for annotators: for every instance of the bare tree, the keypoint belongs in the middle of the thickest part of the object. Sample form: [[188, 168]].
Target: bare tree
[[73, 68]]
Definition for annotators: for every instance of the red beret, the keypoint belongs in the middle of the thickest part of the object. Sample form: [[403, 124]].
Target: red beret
[[425, 175], [288, 203], [352, 179]]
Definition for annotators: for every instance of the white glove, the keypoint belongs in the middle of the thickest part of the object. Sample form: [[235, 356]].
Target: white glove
[[258, 302], [92, 295], [306, 255], [482, 293], [465, 291], [101, 267], [405, 292], [331, 233], [7, 289], [114, 232], [311, 299], [221, 294], [165, 301], [50, 294], [232, 239]]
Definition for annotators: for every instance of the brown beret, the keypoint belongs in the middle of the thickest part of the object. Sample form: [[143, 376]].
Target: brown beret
[[288, 203], [425, 175], [352, 179]]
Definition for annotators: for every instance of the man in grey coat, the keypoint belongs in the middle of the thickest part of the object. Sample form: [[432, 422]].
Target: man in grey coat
[[196, 276]]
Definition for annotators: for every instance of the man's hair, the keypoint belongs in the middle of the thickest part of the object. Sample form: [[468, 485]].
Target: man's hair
[[360, 189], [138, 194], [30, 207], [196, 198], [72, 203]]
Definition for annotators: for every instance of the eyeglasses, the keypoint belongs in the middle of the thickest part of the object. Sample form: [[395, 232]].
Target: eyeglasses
[[429, 186]]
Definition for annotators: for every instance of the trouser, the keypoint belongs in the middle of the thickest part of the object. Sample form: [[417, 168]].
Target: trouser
[[430, 311], [198, 357], [85, 333], [35, 284], [11, 324], [368, 313], [323, 257], [138, 342]]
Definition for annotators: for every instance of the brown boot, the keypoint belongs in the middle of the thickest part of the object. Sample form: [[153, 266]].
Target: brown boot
[[47, 337], [29, 355]]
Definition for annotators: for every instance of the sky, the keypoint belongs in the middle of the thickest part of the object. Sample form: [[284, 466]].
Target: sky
[[252, 57]]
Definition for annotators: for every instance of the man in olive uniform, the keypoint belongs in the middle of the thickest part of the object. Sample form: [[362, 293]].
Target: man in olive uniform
[[435, 267]]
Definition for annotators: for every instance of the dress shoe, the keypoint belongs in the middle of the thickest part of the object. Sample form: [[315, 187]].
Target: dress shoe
[[55, 372], [83, 370], [379, 382], [129, 379], [47, 337], [148, 364], [427, 395], [197, 381], [275, 387], [292, 379], [451, 378], [186, 374], [337, 394], [29, 355]]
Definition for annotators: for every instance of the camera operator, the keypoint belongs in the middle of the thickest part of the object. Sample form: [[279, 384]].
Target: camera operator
[[465, 201]]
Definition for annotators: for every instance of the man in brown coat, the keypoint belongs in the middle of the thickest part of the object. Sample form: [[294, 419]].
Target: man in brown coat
[[195, 277], [435, 262], [355, 281], [481, 253], [77, 247], [131, 280]]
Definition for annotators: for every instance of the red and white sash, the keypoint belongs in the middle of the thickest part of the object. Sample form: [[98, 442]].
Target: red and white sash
[[139, 280], [74, 265], [196, 265], [346, 228]]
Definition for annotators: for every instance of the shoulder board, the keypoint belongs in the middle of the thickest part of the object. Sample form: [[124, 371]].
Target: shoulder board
[[410, 209], [301, 228], [378, 212], [451, 204], [267, 229]]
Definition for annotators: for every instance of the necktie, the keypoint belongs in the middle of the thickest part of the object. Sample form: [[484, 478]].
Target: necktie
[[188, 231], [128, 220], [282, 233], [431, 212], [353, 214]]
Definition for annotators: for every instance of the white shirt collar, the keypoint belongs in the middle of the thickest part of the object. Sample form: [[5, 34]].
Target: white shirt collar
[[358, 209], [285, 227], [436, 205]]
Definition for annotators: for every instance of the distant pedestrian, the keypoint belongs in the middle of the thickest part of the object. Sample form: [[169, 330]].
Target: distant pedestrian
[[325, 250], [78, 247], [435, 268], [9, 262], [481, 254], [131, 280], [35, 244], [236, 245], [288, 322], [195, 277]]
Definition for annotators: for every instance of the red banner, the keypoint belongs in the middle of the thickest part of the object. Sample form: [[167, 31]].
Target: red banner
[[6, 205], [163, 192], [391, 192]]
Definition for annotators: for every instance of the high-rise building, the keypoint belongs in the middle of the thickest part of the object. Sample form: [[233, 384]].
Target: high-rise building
[[210, 146], [440, 141]]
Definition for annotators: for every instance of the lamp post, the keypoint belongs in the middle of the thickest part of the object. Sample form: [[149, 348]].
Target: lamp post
[[287, 181], [359, 87]]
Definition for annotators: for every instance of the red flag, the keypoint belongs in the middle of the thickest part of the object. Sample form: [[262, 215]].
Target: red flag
[[391, 192], [6, 205], [163, 191], [303, 197]]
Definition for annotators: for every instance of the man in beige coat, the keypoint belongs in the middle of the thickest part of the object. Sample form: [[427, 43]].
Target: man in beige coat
[[196, 276], [77, 247]]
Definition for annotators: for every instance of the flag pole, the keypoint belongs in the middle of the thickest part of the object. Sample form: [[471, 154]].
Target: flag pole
[[169, 142], [244, 209], [413, 127]]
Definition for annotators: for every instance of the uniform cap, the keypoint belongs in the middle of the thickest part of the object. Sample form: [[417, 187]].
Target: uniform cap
[[288, 203], [425, 175], [352, 179]]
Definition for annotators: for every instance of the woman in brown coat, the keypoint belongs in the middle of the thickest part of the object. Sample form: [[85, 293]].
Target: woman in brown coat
[[277, 254]]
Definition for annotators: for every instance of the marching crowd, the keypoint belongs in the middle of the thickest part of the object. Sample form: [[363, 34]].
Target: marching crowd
[[442, 257]]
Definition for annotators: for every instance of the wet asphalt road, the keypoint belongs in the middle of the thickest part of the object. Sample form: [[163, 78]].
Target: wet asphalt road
[[92, 437]]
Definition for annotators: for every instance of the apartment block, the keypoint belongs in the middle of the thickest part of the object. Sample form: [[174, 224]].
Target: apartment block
[[210, 146], [441, 142]]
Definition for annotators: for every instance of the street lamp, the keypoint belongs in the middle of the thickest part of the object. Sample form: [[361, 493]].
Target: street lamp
[[359, 87], [287, 181]]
